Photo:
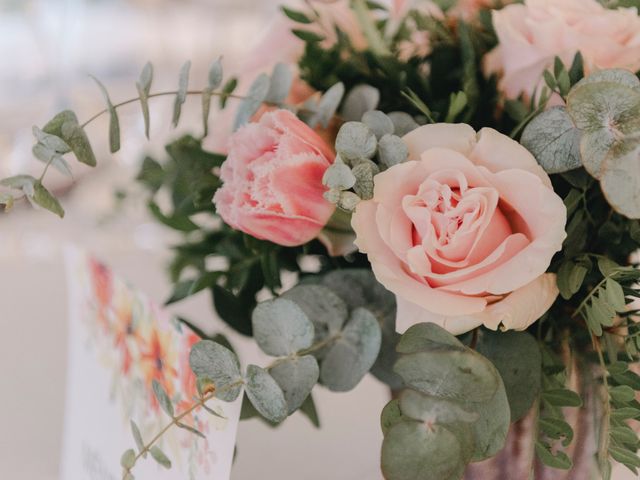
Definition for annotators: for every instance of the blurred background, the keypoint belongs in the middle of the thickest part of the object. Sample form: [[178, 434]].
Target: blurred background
[[48, 48]]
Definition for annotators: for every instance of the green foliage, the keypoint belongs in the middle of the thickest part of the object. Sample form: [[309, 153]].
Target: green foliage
[[181, 96], [265, 394], [212, 361], [251, 103], [281, 327], [114, 121], [143, 85], [457, 400], [517, 357]]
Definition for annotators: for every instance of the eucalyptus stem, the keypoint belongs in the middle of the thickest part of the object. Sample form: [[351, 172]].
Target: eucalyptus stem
[[174, 422], [158, 94]]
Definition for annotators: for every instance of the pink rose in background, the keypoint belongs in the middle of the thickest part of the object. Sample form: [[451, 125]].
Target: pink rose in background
[[273, 180], [532, 35], [464, 231]]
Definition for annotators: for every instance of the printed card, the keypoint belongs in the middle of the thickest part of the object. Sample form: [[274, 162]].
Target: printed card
[[119, 342]]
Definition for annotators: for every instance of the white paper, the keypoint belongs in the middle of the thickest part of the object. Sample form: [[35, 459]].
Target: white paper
[[118, 342]]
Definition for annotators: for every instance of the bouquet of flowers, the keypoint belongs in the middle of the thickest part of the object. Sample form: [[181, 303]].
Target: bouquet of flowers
[[443, 193]]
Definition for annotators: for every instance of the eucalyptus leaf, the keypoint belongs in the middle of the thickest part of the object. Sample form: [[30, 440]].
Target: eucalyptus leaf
[[553, 140], [355, 141], [427, 336], [427, 408], [608, 114], [620, 183], [403, 123], [454, 374], [360, 99], [281, 327], [160, 457], [137, 437], [391, 415], [339, 176], [413, 450], [378, 123], [491, 429], [280, 84], [392, 150], [65, 125], [326, 310], [128, 459], [219, 364], [51, 142], [143, 85], [46, 200], [181, 95], [49, 156], [517, 357], [252, 101], [614, 75], [265, 394], [327, 106], [114, 121], [162, 397], [364, 173], [354, 352], [296, 377]]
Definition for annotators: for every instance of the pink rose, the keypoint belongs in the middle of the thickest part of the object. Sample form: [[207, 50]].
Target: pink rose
[[532, 35], [273, 180], [464, 231]]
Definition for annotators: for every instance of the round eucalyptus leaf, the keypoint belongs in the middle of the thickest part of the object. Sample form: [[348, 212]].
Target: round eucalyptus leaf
[[431, 409], [403, 123], [352, 355], [364, 172], [517, 357], [491, 429], [553, 140], [339, 176], [281, 327], [296, 377], [453, 374], [360, 99], [326, 310], [415, 451], [391, 415], [392, 150], [265, 394], [615, 75], [378, 123], [355, 140], [608, 114], [621, 184], [220, 365], [360, 288], [427, 336]]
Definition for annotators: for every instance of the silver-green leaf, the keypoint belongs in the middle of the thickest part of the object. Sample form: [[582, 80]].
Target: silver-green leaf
[[281, 327], [296, 377], [211, 360], [265, 394], [181, 96], [143, 85], [114, 121]]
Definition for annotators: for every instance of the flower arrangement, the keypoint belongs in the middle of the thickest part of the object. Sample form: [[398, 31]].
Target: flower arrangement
[[455, 187]]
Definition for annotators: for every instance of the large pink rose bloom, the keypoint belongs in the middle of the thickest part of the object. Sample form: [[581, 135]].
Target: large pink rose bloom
[[273, 180], [464, 231], [532, 35]]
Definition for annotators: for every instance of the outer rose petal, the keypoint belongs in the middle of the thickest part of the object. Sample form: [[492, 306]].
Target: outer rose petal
[[496, 152], [516, 311], [459, 137]]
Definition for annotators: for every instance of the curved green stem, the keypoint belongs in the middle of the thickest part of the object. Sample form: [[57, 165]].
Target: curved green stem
[[174, 422]]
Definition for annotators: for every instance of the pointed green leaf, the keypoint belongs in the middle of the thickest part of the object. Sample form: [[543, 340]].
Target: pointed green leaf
[[128, 459], [65, 125], [159, 456], [560, 460], [137, 436], [253, 100], [181, 96], [191, 429], [114, 122], [295, 15], [562, 397], [162, 397], [143, 85], [215, 79]]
